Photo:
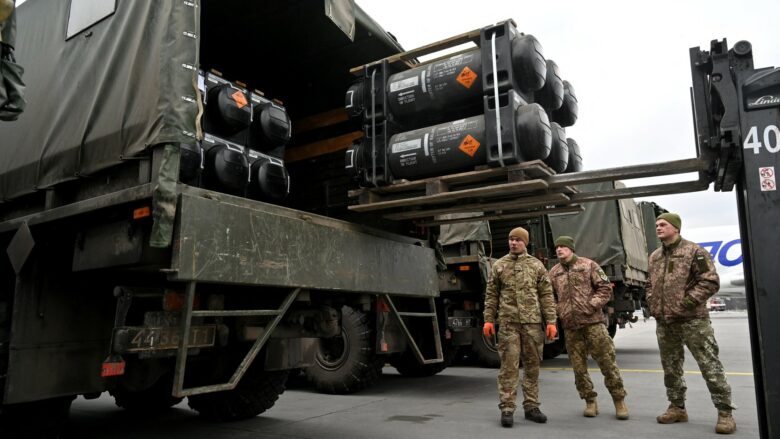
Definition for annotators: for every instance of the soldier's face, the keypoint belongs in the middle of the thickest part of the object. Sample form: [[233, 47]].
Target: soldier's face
[[563, 252], [664, 230], [516, 245]]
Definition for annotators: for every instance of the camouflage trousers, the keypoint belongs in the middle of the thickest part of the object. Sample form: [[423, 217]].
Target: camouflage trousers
[[699, 337], [518, 342], [594, 340]]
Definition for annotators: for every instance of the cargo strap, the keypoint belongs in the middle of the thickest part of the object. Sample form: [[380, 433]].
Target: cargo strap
[[436, 334], [181, 356]]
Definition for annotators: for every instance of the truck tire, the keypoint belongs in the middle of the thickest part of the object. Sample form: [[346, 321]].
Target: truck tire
[[257, 391], [552, 350], [39, 419], [485, 350], [407, 364], [612, 329], [347, 363], [152, 400]]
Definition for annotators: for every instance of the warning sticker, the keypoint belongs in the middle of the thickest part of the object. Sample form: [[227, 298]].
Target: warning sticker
[[466, 77], [408, 145], [469, 145], [767, 178], [239, 98]]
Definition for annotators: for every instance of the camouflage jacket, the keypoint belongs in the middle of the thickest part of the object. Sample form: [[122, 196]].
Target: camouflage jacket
[[582, 290], [680, 270], [519, 288]]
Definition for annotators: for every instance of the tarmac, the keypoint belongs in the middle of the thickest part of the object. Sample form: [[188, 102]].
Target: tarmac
[[461, 402]]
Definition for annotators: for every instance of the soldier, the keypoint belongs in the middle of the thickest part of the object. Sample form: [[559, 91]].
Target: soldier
[[519, 288], [583, 289], [682, 278]]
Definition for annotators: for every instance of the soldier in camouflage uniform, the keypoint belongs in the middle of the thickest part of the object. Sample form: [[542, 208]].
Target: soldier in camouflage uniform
[[519, 289], [682, 278], [583, 290]]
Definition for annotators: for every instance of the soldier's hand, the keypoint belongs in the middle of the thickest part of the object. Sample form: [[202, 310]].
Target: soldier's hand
[[488, 329], [551, 331], [688, 303]]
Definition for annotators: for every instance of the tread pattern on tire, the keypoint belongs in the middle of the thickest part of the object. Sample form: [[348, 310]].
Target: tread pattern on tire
[[255, 393], [361, 368]]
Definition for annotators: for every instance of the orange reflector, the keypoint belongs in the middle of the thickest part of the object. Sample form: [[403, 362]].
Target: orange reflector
[[385, 347], [469, 305], [113, 366], [142, 212], [173, 301], [382, 306], [464, 267]]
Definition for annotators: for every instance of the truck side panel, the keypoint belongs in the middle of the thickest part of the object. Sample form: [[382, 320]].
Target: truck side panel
[[239, 241]]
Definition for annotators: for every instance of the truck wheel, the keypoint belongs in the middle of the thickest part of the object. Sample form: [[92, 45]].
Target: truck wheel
[[485, 349], [257, 391], [407, 364], [347, 363], [612, 329], [151, 400], [44, 419], [552, 350]]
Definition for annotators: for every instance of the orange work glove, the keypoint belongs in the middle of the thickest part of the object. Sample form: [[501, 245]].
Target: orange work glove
[[489, 330], [552, 331]]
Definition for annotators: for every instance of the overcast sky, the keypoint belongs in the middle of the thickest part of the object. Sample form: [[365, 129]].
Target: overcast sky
[[628, 62]]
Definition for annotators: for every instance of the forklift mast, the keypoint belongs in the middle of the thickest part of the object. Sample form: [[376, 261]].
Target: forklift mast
[[737, 119]]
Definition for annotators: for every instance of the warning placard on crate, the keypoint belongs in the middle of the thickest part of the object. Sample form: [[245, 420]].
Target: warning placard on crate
[[766, 176], [469, 145], [466, 77], [240, 99]]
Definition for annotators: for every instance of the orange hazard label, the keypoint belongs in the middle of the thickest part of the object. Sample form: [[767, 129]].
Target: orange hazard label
[[466, 77], [469, 145], [239, 98]]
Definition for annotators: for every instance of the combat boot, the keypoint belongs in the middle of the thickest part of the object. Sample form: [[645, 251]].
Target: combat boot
[[591, 408], [535, 415], [673, 414], [507, 419], [726, 423], [621, 409]]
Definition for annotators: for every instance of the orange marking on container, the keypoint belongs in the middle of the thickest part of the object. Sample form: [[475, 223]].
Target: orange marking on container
[[469, 146], [239, 98], [466, 77]]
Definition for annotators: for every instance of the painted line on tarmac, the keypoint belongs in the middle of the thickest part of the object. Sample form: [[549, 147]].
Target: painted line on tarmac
[[687, 372]]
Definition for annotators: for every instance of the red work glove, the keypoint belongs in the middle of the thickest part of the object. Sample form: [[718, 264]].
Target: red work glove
[[489, 330], [552, 331]]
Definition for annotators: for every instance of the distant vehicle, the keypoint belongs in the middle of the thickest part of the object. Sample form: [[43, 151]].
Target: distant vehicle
[[716, 304]]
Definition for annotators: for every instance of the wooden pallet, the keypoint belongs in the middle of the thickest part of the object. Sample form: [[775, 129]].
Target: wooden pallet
[[511, 190]]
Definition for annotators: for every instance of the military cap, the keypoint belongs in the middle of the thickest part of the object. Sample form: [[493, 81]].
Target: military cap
[[519, 232], [671, 218], [565, 241]]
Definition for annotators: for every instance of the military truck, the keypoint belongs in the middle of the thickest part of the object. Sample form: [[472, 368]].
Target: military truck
[[148, 216]]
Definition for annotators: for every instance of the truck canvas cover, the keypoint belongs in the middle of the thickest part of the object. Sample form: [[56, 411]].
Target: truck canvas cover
[[103, 91], [617, 242]]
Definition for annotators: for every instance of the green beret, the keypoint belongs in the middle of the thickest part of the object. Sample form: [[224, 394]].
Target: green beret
[[565, 241], [671, 218]]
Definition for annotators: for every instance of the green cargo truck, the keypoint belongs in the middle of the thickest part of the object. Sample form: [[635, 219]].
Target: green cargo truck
[[162, 238]]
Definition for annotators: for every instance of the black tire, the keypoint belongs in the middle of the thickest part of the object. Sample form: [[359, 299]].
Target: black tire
[[486, 350], [557, 348], [257, 392], [152, 400], [347, 363], [407, 364], [44, 419], [612, 329]]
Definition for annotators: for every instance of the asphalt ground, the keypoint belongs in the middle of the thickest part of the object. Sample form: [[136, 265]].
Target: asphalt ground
[[461, 402]]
